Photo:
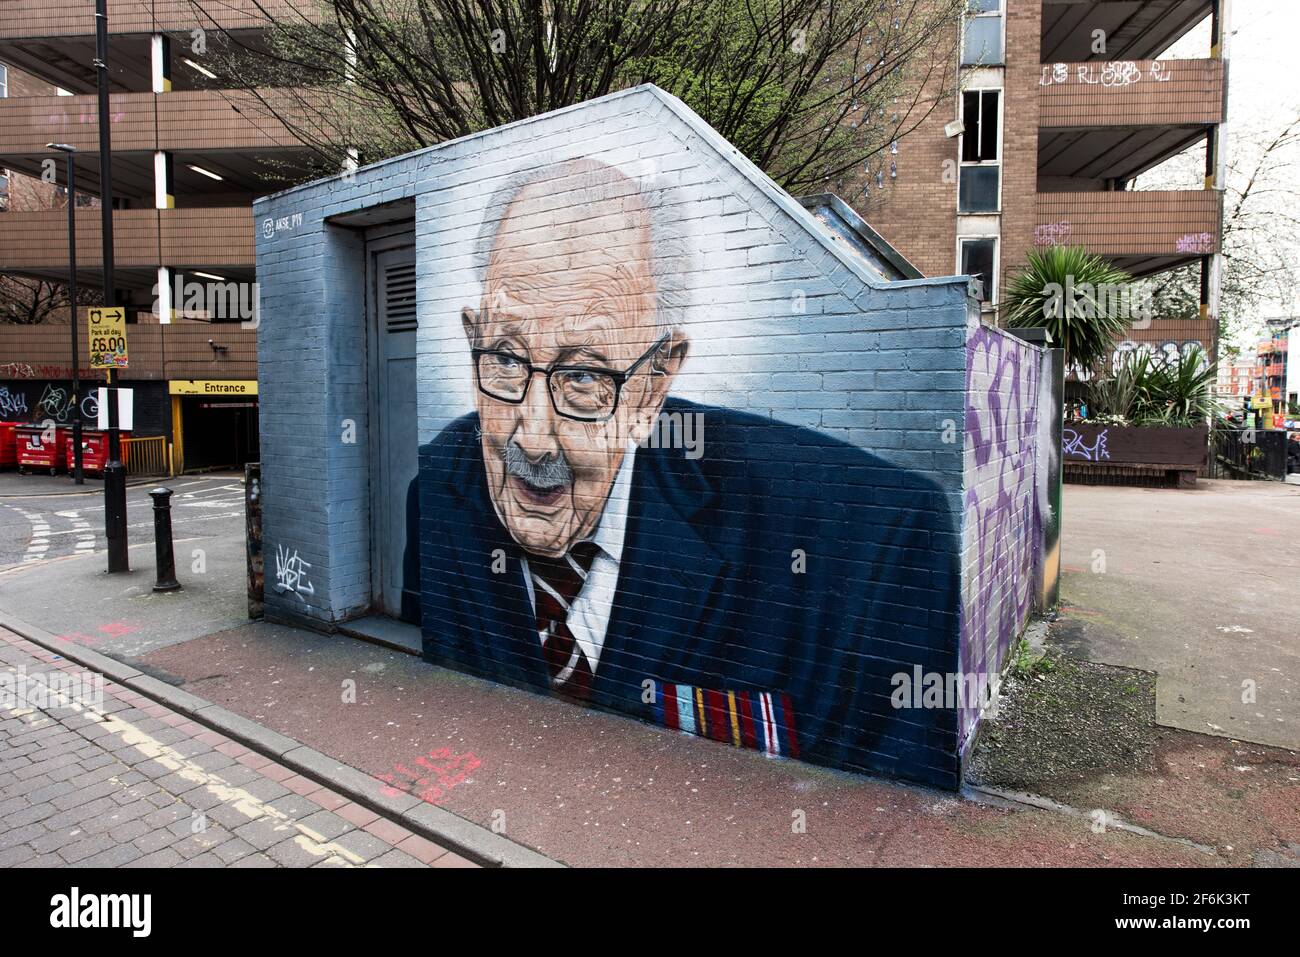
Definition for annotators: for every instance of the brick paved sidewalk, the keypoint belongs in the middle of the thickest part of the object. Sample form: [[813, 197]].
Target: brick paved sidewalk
[[126, 782]]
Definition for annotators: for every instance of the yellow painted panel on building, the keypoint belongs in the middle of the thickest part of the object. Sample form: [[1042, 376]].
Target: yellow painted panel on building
[[212, 387], [106, 327]]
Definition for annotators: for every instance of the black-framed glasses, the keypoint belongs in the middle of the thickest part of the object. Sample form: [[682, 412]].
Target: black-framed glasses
[[584, 393]]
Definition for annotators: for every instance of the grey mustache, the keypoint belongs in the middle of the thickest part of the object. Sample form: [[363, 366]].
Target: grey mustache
[[551, 472]]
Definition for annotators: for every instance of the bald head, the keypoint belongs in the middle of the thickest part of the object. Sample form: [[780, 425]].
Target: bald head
[[569, 284], [576, 239]]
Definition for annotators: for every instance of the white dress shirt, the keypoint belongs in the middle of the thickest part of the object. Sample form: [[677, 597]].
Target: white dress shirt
[[590, 610]]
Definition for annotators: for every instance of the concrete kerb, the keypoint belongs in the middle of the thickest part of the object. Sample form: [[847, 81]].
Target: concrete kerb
[[465, 838], [86, 489]]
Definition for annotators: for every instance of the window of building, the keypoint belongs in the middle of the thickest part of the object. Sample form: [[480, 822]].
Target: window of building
[[979, 190], [981, 43], [978, 258], [4, 80]]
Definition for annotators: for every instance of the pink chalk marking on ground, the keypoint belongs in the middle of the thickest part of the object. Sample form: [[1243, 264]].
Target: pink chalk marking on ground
[[449, 770], [116, 629]]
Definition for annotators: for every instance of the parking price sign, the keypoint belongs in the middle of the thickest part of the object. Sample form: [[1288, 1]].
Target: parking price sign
[[107, 328]]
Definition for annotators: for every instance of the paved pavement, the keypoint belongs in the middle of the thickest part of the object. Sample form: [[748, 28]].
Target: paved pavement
[[53, 547], [585, 787], [590, 788], [105, 777], [1199, 586]]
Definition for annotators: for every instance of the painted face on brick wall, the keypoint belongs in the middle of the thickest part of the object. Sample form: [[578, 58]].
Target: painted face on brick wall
[[567, 285]]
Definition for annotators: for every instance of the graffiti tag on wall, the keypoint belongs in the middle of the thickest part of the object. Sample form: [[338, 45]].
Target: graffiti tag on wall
[[12, 404], [1005, 507], [1196, 243], [54, 404], [1052, 234], [291, 573], [1072, 444], [1112, 73]]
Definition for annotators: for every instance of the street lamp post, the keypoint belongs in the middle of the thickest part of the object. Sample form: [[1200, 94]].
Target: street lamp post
[[69, 152], [114, 471]]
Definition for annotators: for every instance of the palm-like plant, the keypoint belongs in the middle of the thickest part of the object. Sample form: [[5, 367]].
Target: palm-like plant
[[1114, 396], [1178, 393], [1070, 292], [1146, 391]]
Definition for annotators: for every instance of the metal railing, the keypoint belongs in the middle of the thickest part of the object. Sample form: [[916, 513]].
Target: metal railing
[[1248, 454], [146, 455]]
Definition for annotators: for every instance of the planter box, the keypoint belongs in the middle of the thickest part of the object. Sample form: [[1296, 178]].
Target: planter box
[[1092, 453]]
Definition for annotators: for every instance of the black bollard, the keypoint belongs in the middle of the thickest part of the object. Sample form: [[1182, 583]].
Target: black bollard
[[162, 540]]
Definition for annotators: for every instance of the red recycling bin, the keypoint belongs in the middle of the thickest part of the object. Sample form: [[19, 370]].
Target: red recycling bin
[[8, 446], [37, 449], [94, 450]]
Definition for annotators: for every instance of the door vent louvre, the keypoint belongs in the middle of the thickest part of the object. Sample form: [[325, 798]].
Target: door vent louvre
[[399, 298]]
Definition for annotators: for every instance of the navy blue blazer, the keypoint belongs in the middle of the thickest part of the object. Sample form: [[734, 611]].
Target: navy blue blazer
[[782, 561]]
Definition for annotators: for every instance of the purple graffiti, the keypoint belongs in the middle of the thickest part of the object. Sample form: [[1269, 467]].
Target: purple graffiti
[[1196, 243], [1052, 234], [1003, 511], [1072, 444]]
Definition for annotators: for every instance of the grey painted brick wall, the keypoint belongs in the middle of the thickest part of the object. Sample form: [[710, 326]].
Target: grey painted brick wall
[[881, 365]]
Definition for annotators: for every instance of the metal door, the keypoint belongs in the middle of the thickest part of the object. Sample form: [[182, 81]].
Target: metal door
[[394, 452]]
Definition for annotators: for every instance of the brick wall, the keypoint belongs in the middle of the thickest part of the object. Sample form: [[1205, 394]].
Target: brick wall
[[179, 350], [36, 18], [1132, 223], [1150, 93], [918, 210], [25, 192], [1020, 134], [832, 406], [1007, 474]]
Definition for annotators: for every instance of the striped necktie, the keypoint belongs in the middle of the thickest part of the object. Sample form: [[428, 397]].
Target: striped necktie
[[556, 583]]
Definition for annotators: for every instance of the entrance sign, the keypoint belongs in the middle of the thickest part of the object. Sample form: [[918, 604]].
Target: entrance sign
[[212, 387]]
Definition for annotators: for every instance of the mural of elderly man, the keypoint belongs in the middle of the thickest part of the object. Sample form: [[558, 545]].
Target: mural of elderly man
[[761, 593]]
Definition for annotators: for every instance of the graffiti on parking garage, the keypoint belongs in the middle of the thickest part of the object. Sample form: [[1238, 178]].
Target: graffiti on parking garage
[[12, 404], [1112, 73], [19, 402], [55, 403], [1196, 243], [1169, 351], [1052, 234], [1159, 353]]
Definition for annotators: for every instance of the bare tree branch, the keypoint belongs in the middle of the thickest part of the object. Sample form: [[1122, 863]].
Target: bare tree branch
[[807, 89]]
